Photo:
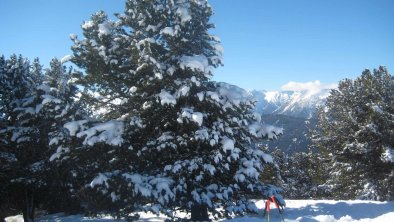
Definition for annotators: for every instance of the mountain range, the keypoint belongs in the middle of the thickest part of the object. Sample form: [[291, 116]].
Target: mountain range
[[300, 104], [293, 110]]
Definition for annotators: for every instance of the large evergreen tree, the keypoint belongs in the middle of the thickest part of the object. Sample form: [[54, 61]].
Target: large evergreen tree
[[165, 137], [355, 133]]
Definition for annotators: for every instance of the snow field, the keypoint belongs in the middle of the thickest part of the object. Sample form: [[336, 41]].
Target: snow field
[[296, 211]]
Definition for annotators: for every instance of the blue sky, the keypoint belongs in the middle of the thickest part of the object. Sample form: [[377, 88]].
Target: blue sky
[[267, 43]]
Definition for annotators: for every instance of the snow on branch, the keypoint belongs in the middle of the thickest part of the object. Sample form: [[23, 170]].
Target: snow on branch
[[263, 130], [188, 113], [87, 25], [74, 126], [184, 15], [105, 28], [166, 98], [66, 59], [230, 96], [196, 62], [227, 144], [157, 187], [388, 155], [101, 179], [152, 186], [109, 132]]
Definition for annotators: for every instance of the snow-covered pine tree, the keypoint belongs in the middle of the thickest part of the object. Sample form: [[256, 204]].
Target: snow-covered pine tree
[[298, 180], [58, 97], [35, 113], [2, 95], [36, 71], [169, 138], [355, 132], [2, 78], [15, 83], [16, 87], [6, 159], [295, 173]]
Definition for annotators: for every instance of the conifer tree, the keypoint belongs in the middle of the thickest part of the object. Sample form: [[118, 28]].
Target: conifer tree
[[165, 137], [5, 158], [296, 173], [36, 71], [35, 109], [17, 161], [57, 96], [299, 179], [355, 133]]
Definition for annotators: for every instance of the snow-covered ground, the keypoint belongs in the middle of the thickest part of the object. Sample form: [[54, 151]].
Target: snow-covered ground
[[296, 211]]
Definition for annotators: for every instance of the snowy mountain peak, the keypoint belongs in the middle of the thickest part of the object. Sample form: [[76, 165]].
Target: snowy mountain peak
[[294, 99], [275, 97]]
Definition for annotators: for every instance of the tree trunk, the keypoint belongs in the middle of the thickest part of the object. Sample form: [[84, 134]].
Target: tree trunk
[[28, 211], [199, 213]]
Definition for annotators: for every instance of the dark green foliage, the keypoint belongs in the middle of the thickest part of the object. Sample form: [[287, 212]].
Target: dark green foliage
[[356, 137], [20, 159], [58, 97], [296, 136], [34, 106], [297, 173]]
